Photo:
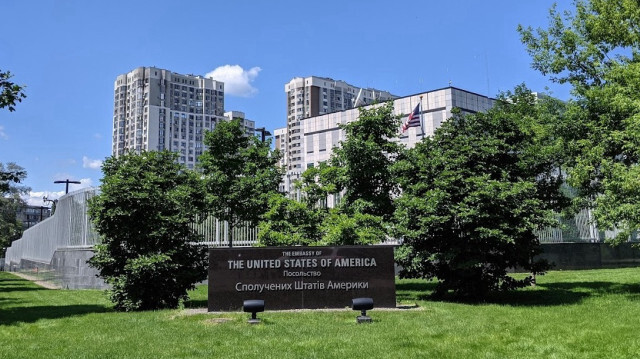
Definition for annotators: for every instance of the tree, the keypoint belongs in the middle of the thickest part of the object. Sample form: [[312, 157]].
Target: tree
[[10, 202], [362, 164], [12, 174], [10, 93], [240, 174], [360, 170], [144, 215], [354, 227], [596, 49], [473, 195], [288, 222], [314, 188]]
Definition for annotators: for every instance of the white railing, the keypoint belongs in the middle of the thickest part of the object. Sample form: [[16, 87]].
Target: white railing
[[216, 233], [580, 228], [68, 227]]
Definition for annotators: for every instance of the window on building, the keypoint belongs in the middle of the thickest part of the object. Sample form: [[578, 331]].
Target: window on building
[[322, 141], [310, 144]]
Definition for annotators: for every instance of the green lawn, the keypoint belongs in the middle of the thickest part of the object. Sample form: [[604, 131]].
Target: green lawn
[[570, 314]]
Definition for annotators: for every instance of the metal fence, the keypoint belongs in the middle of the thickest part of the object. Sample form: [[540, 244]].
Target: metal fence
[[579, 228], [216, 233], [69, 227]]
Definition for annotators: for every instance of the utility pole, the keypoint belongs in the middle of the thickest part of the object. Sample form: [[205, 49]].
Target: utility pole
[[67, 181], [263, 132]]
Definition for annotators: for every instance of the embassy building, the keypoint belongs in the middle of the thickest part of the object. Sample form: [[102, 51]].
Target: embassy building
[[320, 134]]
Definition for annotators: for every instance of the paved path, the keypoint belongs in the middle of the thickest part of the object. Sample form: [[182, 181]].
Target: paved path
[[47, 285]]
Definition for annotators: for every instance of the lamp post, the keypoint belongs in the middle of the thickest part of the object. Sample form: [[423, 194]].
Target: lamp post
[[54, 202], [67, 181], [263, 132]]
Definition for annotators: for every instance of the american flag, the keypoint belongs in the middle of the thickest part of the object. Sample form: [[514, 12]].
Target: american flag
[[413, 120]]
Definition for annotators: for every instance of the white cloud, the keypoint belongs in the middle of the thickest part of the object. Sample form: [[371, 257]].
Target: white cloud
[[89, 163], [237, 81], [3, 134], [85, 182], [35, 198]]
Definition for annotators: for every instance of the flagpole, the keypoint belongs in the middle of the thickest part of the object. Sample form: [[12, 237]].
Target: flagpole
[[421, 123], [410, 111]]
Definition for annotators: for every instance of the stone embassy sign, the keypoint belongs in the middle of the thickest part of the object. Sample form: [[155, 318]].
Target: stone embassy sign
[[301, 277]]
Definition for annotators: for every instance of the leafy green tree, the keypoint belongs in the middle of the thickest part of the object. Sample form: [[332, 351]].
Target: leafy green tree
[[360, 170], [473, 195], [10, 93], [310, 221], [314, 187], [144, 214], [582, 47], [596, 49], [288, 222], [10, 202], [362, 164], [11, 175], [352, 228], [240, 174]]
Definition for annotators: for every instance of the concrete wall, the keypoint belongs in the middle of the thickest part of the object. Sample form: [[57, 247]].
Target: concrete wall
[[68, 269], [590, 255]]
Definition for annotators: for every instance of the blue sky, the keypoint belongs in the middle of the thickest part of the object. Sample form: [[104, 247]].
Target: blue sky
[[69, 52]]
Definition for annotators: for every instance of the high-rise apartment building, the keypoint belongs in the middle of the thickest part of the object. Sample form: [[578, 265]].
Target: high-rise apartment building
[[314, 96], [280, 144], [248, 125], [280, 139], [156, 109]]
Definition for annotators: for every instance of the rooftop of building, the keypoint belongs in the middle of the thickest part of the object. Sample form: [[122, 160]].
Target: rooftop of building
[[336, 81]]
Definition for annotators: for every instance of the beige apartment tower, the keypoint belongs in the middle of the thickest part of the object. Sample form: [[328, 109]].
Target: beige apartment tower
[[156, 109]]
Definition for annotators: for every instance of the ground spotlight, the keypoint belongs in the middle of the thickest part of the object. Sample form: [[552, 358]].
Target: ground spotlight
[[253, 306], [362, 304]]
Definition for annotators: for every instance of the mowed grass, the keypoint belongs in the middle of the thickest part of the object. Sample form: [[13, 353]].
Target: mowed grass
[[569, 314]]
